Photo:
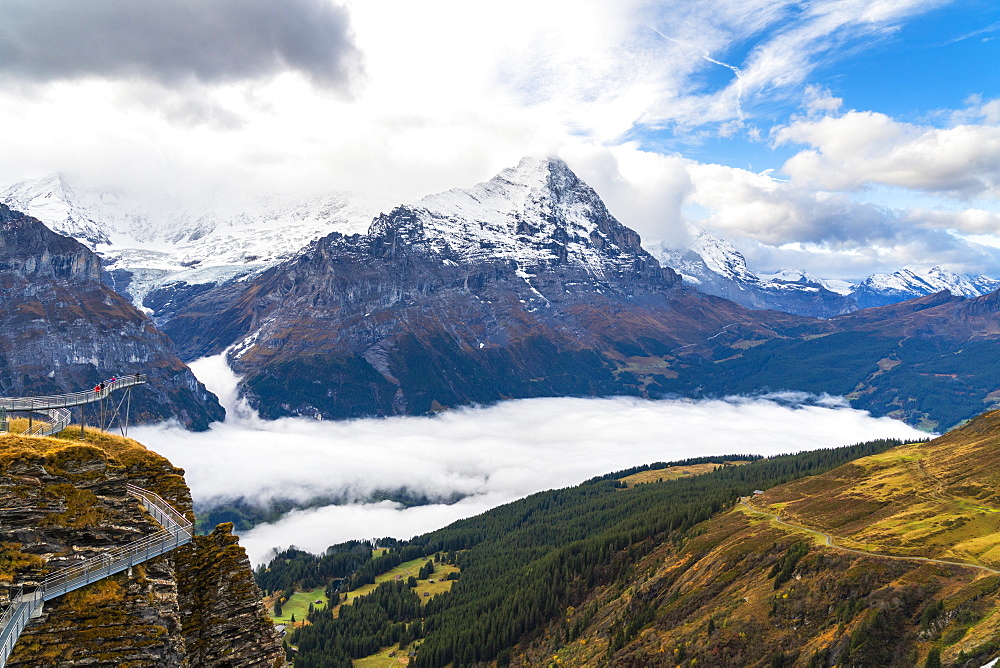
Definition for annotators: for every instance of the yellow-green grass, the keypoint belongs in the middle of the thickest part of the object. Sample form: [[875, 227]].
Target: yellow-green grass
[[939, 499], [403, 572], [812, 535], [60, 453], [297, 605], [671, 473], [383, 660], [123, 450], [439, 585]]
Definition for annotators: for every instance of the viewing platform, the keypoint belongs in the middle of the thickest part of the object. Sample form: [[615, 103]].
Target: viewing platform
[[56, 407]]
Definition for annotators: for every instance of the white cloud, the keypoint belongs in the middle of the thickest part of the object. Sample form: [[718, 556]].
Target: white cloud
[[488, 455], [777, 223], [819, 101], [856, 149], [453, 92]]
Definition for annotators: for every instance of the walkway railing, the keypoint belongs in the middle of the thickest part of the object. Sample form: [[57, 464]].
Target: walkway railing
[[176, 531], [14, 619], [59, 419], [56, 407], [73, 398]]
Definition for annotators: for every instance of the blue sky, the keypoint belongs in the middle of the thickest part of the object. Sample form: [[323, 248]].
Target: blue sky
[[860, 135], [935, 61], [932, 63]]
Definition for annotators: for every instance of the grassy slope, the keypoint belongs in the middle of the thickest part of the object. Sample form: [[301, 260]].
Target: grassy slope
[[432, 586], [937, 499], [297, 605], [671, 473]]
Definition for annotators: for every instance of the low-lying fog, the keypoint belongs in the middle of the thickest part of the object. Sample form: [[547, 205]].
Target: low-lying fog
[[487, 456]]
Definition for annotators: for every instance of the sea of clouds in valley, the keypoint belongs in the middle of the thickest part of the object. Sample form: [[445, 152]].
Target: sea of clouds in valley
[[486, 456]]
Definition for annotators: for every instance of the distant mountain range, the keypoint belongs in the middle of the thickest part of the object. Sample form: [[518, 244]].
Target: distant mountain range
[[714, 266], [525, 285], [160, 253], [521, 286], [154, 251]]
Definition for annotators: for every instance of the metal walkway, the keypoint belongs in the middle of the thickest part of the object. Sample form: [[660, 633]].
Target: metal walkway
[[176, 531], [56, 407]]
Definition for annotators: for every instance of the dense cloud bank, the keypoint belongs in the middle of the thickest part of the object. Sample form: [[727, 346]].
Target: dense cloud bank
[[488, 455], [171, 42]]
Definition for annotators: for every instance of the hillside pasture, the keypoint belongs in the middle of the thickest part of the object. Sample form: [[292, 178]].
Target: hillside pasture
[[672, 473]]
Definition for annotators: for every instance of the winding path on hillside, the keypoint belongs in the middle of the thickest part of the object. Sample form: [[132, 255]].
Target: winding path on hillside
[[939, 493], [829, 542]]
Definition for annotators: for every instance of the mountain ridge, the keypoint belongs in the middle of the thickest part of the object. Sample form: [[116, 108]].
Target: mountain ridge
[[715, 266], [65, 331], [474, 296], [161, 253], [157, 248], [547, 295]]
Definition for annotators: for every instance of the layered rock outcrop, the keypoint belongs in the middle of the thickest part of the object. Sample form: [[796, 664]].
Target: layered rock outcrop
[[61, 501], [62, 330]]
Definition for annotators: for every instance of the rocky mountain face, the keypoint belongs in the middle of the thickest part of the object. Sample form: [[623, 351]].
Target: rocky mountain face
[[64, 331], [525, 286], [521, 286], [715, 267], [159, 252], [196, 606]]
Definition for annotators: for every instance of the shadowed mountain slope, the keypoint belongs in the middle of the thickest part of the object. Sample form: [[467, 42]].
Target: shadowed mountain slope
[[64, 331], [928, 361], [525, 286], [521, 286]]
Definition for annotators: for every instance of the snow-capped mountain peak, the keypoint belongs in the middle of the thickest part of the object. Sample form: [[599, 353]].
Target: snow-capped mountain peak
[[715, 266], [915, 282], [536, 212], [719, 255], [53, 201], [156, 240]]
